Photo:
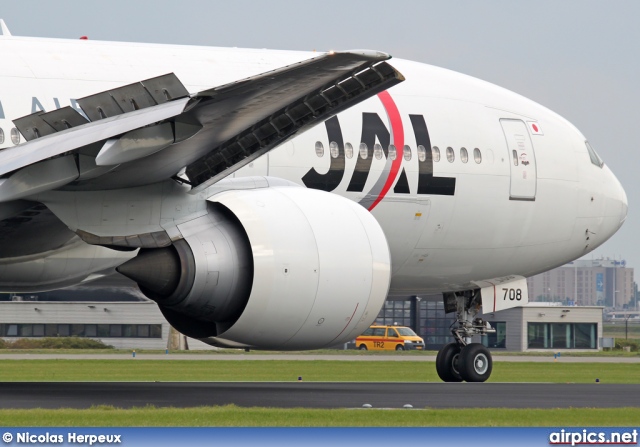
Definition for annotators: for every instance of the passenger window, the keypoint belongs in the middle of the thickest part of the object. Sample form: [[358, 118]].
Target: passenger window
[[348, 150], [464, 155], [435, 153], [422, 153], [15, 136], [368, 332], [477, 155], [364, 151], [407, 153], [392, 333], [319, 149], [515, 158], [378, 332], [1, 136], [593, 155], [451, 156], [377, 151], [392, 152], [334, 150]]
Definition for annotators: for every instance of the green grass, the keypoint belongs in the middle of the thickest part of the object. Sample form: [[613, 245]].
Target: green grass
[[232, 416], [311, 370], [340, 352]]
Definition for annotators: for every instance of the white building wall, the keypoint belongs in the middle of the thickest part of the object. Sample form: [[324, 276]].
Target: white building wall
[[55, 312], [518, 319]]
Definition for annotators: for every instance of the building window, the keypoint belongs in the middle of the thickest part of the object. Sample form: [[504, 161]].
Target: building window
[[433, 325], [128, 330], [82, 330], [51, 330], [497, 339], [562, 335]]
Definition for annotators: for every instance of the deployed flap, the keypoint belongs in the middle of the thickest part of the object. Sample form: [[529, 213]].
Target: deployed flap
[[281, 103], [67, 140], [209, 135], [503, 293]]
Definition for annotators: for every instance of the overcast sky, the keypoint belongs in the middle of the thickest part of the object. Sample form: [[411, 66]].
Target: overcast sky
[[579, 58]]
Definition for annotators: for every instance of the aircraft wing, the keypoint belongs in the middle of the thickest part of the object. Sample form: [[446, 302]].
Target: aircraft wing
[[152, 130]]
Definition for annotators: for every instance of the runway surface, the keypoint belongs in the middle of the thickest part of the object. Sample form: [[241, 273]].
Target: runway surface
[[365, 357], [317, 395]]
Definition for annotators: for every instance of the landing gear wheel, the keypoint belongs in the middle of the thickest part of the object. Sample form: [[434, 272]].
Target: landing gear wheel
[[363, 347], [475, 363], [447, 363]]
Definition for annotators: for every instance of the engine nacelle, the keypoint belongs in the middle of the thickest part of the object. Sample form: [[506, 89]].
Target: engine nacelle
[[271, 268]]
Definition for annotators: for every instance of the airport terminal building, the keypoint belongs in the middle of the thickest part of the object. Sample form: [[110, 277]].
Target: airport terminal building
[[140, 324], [535, 327], [123, 325]]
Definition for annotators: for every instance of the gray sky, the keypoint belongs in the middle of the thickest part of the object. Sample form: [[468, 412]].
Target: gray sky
[[577, 57]]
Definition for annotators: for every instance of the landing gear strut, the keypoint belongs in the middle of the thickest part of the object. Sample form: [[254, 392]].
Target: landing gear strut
[[463, 360]]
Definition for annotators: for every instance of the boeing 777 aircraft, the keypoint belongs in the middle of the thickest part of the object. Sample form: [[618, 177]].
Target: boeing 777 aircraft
[[273, 199]]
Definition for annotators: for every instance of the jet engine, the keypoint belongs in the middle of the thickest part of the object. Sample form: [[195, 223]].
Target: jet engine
[[271, 268]]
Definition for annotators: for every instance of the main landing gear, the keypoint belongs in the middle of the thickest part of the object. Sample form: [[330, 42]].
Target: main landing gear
[[463, 360]]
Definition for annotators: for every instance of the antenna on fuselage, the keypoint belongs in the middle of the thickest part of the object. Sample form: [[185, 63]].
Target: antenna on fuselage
[[4, 29]]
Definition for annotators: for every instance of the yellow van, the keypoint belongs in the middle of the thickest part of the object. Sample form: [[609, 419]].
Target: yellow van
[[398, 338]]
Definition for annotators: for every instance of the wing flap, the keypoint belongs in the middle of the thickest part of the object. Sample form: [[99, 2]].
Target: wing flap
[[74, 138], [215, 132], [301, 98]]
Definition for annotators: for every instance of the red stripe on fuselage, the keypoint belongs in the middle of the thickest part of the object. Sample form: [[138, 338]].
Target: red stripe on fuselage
[[398, 140]]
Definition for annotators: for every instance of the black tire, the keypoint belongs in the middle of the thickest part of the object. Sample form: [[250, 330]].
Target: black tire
[[362, 347], [399, 348], [447, 363], [475, 363]]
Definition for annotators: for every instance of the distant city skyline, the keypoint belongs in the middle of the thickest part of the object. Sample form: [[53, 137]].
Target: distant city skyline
[[600, 282]]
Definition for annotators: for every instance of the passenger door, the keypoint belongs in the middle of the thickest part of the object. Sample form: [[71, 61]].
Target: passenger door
[[522, 160]]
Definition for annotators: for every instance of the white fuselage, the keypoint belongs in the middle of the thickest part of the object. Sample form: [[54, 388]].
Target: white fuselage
[[527, 199]]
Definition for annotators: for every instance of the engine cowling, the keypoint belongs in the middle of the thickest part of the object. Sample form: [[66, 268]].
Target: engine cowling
[[271, 268]]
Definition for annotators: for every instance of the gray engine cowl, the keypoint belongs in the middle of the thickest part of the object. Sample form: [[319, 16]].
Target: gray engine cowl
[[206, 277]]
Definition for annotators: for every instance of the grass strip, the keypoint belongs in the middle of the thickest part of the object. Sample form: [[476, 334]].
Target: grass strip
[[233, 416], [290, 370]]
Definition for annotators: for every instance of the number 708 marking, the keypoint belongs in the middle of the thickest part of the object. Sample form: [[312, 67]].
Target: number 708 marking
[[512, 294]]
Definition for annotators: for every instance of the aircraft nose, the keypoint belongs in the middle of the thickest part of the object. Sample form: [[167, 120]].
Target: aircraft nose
[[622, 197], [617, 203]]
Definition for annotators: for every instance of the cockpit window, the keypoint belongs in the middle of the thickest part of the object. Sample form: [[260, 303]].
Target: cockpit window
[[595, 158]]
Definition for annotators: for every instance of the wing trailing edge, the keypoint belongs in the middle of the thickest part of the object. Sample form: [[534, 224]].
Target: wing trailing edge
[[208, 135]]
